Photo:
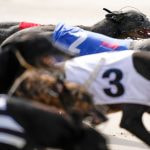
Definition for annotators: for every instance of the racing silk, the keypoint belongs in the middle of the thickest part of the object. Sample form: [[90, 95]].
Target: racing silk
[[82, 42], [11, 132], [114, 78]]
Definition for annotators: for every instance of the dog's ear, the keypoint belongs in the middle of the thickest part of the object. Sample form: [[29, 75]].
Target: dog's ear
[[33, 42], [115, 16], [24, 39]]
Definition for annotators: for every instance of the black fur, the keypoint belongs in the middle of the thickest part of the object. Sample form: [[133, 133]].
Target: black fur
[[133, 113], [45, 128], [115, 24]]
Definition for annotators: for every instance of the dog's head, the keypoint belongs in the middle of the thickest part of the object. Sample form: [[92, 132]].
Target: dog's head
[[121, 23], [52, 89], [48, 88]]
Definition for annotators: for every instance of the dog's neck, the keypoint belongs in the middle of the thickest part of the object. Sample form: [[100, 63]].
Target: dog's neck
[[105, 27]]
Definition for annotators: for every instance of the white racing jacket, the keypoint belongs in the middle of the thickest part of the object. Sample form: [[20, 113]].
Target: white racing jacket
[[113, 78]]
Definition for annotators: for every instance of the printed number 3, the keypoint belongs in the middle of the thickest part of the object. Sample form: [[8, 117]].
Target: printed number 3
[[115, 82]]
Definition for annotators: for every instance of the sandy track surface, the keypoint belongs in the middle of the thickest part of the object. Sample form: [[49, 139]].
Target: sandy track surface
[[120, 139]]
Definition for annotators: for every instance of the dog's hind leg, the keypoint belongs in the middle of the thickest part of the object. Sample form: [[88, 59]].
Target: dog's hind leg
[[132, 121]]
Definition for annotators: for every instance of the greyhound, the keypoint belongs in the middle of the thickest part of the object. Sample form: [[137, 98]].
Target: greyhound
[[118, 79], [26, 126]]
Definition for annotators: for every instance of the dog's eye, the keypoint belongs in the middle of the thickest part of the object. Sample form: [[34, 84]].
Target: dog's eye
[[141, 18]]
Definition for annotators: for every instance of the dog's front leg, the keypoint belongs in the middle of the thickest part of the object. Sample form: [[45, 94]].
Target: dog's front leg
[[132, 121]]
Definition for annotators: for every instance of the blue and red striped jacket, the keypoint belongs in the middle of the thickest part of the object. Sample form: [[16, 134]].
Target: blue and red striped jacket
[[81, 42]]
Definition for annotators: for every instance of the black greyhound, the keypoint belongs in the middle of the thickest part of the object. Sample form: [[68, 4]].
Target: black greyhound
[[33, 125], [123, 24], [117, 24]]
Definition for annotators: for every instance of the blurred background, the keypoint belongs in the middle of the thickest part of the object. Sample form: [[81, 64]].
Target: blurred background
[[72, 12]]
